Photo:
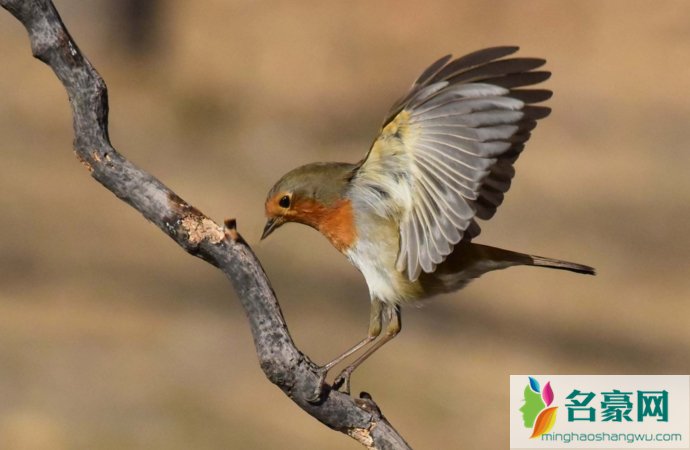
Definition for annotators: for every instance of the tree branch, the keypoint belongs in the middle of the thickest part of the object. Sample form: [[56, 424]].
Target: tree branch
[[281, 361]]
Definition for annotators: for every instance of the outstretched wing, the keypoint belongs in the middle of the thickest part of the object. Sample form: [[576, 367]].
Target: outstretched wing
[[445, 154]]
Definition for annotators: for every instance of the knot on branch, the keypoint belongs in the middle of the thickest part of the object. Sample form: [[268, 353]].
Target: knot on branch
[[363, 436], [200, 228], [231, 229], [192, 222]]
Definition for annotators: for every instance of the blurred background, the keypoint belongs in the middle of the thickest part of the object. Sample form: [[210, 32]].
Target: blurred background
[[112, 337]]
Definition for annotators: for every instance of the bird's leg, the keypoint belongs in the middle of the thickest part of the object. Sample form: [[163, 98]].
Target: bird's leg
[[392, 329], [374, 332]]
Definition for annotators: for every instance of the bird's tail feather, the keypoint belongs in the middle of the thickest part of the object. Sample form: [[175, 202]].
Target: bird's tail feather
[[505, 258], [541, 261], [470, 260]]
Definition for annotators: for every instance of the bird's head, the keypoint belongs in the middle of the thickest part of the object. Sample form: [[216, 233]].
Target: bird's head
[[306, 194]]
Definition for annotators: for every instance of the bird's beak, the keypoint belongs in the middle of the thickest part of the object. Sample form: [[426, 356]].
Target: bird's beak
[[271, 225]]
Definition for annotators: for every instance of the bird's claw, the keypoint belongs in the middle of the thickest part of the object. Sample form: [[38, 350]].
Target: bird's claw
[[318, 390], [342, 382]]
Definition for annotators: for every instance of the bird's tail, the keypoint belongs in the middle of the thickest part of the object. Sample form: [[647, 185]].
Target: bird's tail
[[541, 261], [502, 258], [470, 260]]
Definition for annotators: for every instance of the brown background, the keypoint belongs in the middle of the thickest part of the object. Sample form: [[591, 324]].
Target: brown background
[[111, 337]]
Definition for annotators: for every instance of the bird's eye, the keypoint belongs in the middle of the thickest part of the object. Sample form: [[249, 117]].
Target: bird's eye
[[284, 201]]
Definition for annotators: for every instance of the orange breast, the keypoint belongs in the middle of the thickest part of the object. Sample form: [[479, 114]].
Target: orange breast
[[337, 222]]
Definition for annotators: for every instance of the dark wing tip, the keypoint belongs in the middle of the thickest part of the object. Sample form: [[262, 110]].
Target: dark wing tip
[[515, 80], [433, 69], [536, 112], [531, 95]]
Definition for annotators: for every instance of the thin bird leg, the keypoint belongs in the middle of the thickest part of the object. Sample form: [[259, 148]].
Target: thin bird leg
[[392, 330], [374, 331]]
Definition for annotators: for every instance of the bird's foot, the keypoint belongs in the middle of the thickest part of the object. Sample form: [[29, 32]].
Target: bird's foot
[[342, 381], [320, 384]]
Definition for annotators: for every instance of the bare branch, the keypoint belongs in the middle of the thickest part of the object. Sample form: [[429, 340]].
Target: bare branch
[[281, 361]]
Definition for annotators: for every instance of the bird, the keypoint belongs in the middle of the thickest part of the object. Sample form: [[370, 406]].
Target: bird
[[406, 215]]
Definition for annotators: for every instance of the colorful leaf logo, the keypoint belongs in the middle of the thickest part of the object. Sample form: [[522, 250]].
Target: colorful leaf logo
[[545, 421], [534, 384], [537, 412], [547, 394]]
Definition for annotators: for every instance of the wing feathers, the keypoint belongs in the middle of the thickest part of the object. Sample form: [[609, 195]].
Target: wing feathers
[[453, 179], [478, 119], [537, 112], [471, 169], [473, 148], [474, 59], [497, 68], [531, 95], [514, 80], [447, 150], [467, 106], [433, 70]]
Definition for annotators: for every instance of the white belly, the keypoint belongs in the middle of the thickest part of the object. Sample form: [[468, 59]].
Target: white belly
[[374, 253], [377, 264]]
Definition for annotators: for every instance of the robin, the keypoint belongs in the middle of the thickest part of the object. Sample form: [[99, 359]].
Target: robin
[[406, 215]]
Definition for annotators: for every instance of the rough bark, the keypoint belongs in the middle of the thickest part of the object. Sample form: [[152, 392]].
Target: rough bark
[[282, 362]]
